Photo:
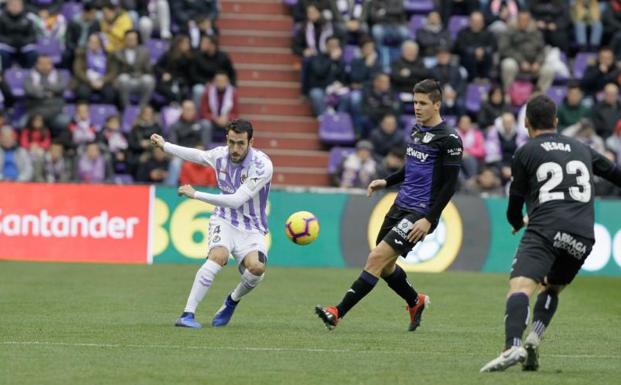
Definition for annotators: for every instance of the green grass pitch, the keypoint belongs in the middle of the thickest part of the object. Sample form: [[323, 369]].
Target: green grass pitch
[[103, 324]]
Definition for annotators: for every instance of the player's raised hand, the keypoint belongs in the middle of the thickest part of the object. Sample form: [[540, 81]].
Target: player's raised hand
[[419, 230], [375, 185], [157, 141], [186, 190]]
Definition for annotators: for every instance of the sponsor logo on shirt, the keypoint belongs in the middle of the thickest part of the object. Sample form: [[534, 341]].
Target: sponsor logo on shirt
[[570, 244], [454, 151], [417, 154]]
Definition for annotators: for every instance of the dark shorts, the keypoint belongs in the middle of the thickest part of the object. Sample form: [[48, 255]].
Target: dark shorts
[[396, 226], [557, 255]]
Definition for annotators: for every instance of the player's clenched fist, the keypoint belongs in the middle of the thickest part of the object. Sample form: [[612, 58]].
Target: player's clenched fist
[[157, 141], [186, 190]]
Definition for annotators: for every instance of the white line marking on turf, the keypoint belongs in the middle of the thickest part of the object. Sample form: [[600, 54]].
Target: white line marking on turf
[[267, 349]]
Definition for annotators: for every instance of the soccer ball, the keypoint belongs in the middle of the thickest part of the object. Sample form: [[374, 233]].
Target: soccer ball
[[302, 227]]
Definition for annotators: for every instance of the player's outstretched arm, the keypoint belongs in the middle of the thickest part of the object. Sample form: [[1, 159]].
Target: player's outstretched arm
[[190, 154]]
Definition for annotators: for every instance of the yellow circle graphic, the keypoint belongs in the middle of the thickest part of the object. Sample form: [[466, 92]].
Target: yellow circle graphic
[[447, 253]]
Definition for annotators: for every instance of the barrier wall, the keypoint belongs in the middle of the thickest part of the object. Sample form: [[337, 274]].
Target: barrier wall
[[146, 224]]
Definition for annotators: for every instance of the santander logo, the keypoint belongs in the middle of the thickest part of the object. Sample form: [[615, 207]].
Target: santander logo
[[42, 224]]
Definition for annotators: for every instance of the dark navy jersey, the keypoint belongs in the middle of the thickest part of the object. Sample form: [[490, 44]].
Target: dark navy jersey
[[429, 150], [554, 175]]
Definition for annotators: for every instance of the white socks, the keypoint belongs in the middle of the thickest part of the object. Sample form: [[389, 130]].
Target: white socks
[[248, 282], [203, 280]]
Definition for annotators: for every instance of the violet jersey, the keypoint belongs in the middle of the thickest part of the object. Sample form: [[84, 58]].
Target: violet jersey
[[428, 151], [254, 173]]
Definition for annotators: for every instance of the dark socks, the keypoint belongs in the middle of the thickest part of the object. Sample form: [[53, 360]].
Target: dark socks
[[398, 281], [516, 317], [547, 302], [359, 289]]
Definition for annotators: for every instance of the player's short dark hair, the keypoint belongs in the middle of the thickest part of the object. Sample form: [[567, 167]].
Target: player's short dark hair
[[431, 88], [240, 126], [541, 112]]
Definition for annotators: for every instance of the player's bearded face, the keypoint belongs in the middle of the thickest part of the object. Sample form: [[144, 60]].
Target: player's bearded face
[[424, 108], [238, 145]]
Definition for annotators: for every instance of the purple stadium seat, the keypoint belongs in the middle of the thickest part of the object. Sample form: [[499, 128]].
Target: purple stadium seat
[[581, 62], [290, 3], [169, 116], [69, 110], [15, 79], [350, 53], [474, 94], [418, 6], [70, 9], [557, 93], [51, 47], [336, 156], [451, 120], [157, 48], [123, 179], [336, 128], [416, 22], [129, 117], [100, 112], [456, 23]]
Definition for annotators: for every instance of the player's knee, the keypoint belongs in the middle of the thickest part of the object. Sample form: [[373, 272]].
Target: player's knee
[[219, 255], [256, 268]]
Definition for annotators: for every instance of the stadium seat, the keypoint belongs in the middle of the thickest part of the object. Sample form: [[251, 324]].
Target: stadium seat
[[336, 156], [557, 93], [474, 95], [129, 117], [456, 24], [69, 110], [350, 53], [51, 47], [157, 48], [418, 6], [336, 128], [416, 22], [15, 79], [70, 9], [581, 62], [290, 3], [123, 179], [100, 112], [169, 115]]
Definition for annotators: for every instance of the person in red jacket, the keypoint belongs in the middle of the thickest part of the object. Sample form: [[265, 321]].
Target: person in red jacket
[[197, 174], [474, 146], [220, 104], [36, 138]]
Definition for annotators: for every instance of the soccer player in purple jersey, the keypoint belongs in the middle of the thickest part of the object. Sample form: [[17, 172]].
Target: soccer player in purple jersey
[[428, 181], [238, 224]]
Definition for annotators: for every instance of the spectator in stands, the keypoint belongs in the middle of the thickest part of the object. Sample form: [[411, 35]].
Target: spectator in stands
[[448, 73], [154, 169], [386, 136], [612, 25], [572, 109], [93, 73], [388, 18], [408, 70], [607, 113], [474, 146], [82, 130], [587, 13], [359, 168], [133, 64], [197, 174], [449, 8], [500, 13], [600, 73], [172, 70], [432, 35], [311, 37], [155, 15], [522, 51], [92, 164], [452, 105], [501, 143], [6, 95], [57, 168], [44, 87], [392, 162], [203, 27], [36, 138], [613, 143], [116, 143], [17, 36], [364, 68], [208, 60], [492, 107], [15, 163], [115, 24], [220, 104], [475, 47], [49, 22], [138, 141], [585, 133], [79, 31], [353, 15], [374, 103], [186, 13], [486, 183], [553, 19], [602, 187], [190, 131], [327, 70], [327, 8]]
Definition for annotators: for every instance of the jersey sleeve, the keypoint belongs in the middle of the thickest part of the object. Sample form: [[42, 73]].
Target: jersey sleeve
[[194, 155], [452, 150], [519, 176], [259, 174]]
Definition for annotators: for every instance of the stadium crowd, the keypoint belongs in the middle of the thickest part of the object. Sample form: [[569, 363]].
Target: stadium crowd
[[363, 58]]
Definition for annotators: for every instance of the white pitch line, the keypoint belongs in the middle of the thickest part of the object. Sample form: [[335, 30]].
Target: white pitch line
[[268, 349]]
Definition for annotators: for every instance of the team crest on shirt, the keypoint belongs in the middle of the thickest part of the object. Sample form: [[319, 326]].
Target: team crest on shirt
[[216, 239], [428, 137]]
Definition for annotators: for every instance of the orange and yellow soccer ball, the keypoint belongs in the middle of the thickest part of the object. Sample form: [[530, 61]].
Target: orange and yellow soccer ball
[[302, 227]]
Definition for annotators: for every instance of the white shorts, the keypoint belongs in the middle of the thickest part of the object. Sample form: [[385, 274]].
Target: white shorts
[[238, 242]]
